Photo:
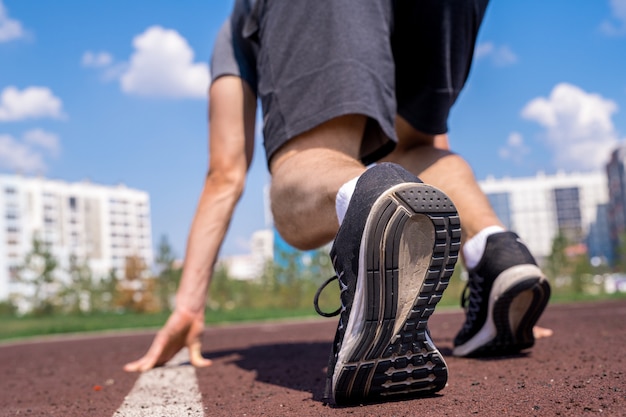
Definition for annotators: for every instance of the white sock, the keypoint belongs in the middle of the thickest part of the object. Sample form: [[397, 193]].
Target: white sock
[[343, 198], [474, 248]]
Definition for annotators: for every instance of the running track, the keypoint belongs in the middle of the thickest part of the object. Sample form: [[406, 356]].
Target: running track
[[278, 370]]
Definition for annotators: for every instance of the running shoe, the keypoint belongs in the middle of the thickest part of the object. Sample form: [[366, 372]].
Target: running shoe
[[394, 255], [505, 295]]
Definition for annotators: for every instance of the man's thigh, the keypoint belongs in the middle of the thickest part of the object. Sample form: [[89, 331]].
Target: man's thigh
[[321, 59]]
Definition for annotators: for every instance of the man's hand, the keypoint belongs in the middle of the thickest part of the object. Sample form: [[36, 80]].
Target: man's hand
[[181, 329]]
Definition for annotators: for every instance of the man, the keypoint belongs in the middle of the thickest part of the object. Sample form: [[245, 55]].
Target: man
[[343, 84]]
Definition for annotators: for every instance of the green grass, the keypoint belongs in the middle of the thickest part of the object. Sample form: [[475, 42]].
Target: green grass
[[15, 328], [564, 297], [12, 328]]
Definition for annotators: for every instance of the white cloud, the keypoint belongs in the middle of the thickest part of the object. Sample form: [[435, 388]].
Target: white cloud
[[483, 50], [114, 71], [44, 140], [104, 61], [19, 156], [96, 59], [500, 56], [30, 103], [578, 126], [10, 29], [615, 26], [162, 66], [515, 149]]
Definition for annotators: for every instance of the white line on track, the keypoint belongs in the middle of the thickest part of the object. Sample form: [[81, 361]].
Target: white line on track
[[171, 390]]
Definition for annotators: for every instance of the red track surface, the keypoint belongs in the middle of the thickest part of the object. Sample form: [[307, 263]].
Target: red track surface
[[278, 370]]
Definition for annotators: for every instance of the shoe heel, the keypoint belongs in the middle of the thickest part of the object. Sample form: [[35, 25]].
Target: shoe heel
[[515, 314], [537, 297]]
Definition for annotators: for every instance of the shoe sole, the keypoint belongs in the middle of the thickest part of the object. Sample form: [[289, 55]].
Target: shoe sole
[[408, 251], [517, 299]]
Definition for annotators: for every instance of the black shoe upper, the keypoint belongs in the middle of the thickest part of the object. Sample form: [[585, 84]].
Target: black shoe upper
[[502, 251], [346, 247]]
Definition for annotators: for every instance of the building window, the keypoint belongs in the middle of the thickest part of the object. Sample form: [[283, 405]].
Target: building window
[[501, 206], [568, 216], [13, 273]]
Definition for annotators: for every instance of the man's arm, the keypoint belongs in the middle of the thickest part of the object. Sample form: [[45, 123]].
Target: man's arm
[[232, 110]]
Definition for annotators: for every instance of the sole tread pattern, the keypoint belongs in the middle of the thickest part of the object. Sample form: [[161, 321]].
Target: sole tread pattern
[[388, 363]]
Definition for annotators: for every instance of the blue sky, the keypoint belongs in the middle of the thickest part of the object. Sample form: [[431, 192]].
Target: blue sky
[[115, 92]]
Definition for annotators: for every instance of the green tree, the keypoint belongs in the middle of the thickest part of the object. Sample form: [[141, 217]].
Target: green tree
[[557, 263], [319, 265], [297, 275], [80, 291], [107, 293], [7, 309], [222, 289], [136, 291], [288, 283], [39, 271], [167, 274], [581, 272], [620, 254]]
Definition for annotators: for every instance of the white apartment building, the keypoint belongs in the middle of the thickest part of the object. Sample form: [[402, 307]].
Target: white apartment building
[[250, 266], [538, 207], [101, 224]]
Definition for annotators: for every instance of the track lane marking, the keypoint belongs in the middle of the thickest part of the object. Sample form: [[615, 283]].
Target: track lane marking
[[171, 390]]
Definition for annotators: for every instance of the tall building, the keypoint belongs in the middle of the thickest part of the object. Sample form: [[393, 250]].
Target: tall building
[[102, 225], [537, 208], [615, 172]]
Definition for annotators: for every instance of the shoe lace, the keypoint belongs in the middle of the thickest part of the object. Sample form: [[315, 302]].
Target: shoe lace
[[471, 298], [317, 297]]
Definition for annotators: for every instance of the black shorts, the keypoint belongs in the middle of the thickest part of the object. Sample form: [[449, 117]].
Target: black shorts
[[320, 59]]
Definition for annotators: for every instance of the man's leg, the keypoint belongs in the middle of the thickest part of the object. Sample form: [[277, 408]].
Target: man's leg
[[507, 291], [393, 254], [307, 173], [416, 151], [399, 239]]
